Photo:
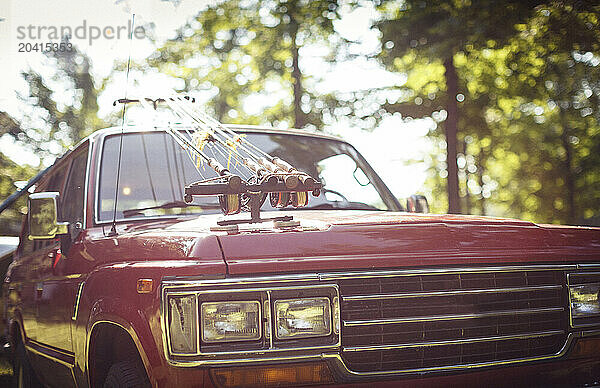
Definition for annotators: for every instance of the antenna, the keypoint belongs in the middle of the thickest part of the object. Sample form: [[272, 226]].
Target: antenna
[[113, 228]]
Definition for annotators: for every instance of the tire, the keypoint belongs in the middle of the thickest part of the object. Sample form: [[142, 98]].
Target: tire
[[23, 374], [127, 374]]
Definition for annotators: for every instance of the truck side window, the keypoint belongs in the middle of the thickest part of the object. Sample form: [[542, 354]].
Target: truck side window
[[72, 202], [57, 180]]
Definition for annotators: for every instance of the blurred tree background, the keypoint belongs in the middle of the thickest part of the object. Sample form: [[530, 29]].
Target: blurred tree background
[[513, 88], [247, 53], [50, 125], [516, 85]]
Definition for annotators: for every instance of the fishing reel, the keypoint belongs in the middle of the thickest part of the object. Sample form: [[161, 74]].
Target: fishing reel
[[296, 199], [230, 203], [274, 187], [236, 195], [235, 203]]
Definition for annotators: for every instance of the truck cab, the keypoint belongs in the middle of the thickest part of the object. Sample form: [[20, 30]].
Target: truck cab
[[121, 282]]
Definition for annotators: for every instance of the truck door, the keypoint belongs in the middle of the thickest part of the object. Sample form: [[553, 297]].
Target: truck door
[[59, 281], [34, 261]]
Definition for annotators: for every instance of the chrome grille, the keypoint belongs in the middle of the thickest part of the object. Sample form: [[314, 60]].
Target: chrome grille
[[429, 321]]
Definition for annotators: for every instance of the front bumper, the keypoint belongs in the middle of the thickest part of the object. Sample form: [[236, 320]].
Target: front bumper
[[579, 368]]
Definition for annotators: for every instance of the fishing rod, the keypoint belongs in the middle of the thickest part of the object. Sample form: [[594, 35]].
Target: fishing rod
[[264, 163], [265, 166], [262, 167], [269, 176], [233, 181]]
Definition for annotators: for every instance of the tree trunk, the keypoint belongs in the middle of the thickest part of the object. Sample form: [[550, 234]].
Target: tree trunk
[[451, 133], [568, 163], [466, 171], [299, 117], [221, 109], [480, 171]]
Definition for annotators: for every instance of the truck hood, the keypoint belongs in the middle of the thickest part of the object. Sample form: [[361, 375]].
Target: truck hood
[[336, 240]]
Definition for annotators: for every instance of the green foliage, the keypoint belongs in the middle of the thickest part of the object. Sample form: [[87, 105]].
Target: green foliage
[[528, 142], [555, 69], [60, 116], [10, 172], [246, 54], [438, 29], [442, 32], [64, 105]]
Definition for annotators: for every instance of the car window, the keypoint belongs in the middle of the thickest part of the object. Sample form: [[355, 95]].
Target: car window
[[344, 180], [56, 180], [154, 170], [72, 202]]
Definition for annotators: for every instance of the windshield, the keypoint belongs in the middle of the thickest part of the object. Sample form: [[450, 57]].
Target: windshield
[[155, 170]]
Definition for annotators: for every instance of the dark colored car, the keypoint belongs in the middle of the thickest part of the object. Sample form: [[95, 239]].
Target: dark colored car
[[360, 293]]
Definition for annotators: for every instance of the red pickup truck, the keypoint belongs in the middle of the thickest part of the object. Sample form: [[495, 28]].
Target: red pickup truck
[[358, 293]]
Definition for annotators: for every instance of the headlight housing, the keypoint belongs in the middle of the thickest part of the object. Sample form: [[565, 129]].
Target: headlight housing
[[299, 318], [202, 323], [230, 321], [584, 300], [182, 324]]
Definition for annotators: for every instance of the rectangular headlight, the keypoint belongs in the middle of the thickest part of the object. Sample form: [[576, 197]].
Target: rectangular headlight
[[230, 321], [306, 317], [584, 300], [183, 324]]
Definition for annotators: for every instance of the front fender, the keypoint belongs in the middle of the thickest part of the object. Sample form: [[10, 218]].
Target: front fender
[[137, 330], [109, 295]]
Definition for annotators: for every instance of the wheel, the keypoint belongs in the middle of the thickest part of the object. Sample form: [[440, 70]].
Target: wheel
[[23, 374], [127, 374]]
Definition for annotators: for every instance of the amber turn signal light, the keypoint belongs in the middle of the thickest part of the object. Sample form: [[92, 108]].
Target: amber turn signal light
[[144, 286], [272, 375]]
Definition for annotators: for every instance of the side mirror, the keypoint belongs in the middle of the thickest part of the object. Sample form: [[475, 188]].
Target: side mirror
[[43, 216], [417, 204]]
